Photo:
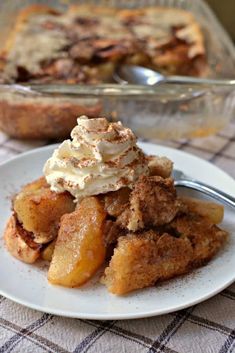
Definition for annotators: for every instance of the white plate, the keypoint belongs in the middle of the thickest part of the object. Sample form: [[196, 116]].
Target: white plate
[[27, 284]]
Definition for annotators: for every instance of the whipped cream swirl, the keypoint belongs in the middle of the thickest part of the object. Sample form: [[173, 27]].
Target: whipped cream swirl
[[101, 157]]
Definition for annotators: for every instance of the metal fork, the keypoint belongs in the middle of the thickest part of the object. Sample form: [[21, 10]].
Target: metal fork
[[180, 179]]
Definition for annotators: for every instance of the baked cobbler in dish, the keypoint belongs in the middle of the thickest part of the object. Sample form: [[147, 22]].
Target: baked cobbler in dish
[[84, 44]]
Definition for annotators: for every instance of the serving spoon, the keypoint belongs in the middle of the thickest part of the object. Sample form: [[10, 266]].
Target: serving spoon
[[133, 74], [180, 179]]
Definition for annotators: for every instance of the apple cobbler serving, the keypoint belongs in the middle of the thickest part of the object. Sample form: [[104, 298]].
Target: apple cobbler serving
[[103, 203]]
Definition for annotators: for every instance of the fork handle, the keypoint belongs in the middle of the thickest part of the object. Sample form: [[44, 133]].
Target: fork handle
[[208, 190]]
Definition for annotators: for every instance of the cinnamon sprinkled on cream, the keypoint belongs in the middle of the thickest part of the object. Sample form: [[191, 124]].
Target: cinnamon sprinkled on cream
[[101, 157]]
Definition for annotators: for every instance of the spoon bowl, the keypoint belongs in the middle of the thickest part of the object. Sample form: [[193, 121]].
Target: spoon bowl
[[133, 74], [137, 75]]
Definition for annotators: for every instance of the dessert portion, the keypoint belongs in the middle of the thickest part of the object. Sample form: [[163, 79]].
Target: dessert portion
[[104, 202], [84, 44]]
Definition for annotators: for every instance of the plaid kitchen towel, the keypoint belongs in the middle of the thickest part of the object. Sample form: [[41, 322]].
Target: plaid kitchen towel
[[205, 328]]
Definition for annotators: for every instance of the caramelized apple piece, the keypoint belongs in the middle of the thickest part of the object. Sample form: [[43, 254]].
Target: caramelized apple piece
[[212, 211], [80, 248], [18, 242], [39, 210], [47, 253], [115, 202]]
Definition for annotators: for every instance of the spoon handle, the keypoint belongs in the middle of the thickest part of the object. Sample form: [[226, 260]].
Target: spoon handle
[[208, 190], [198, 80]]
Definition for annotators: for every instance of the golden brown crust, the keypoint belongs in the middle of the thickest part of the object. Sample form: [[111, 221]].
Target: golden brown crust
[[205, 237], [17, 244], [192, 31], [22, 17], [140, 260], [92, 9], [36, 9], [160, 166], [153, 202], [186, 15], [171, 58]]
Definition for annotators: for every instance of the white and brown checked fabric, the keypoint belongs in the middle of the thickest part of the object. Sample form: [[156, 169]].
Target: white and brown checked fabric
[[205, 328]]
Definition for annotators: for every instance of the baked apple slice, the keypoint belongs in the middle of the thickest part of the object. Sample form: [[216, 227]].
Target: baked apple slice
[[47, 252], [38, 209], [80, 247], [19, 242]]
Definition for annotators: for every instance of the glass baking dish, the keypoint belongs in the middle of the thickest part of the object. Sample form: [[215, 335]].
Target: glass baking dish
[[166, 111]]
